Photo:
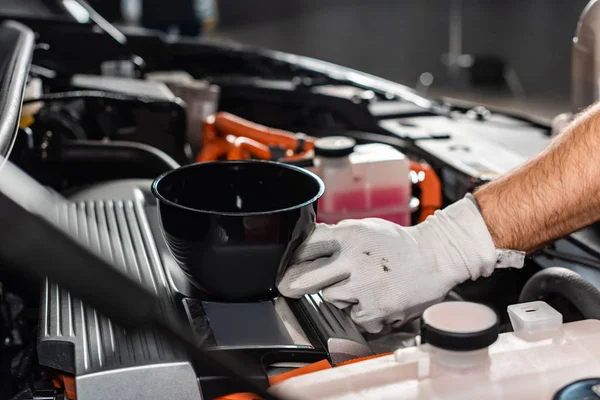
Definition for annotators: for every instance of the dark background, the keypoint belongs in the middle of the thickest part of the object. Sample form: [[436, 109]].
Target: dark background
[[400, 39]]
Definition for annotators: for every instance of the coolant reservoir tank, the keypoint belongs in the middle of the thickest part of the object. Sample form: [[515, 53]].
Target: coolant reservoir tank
[[362, 181], [464, 357]]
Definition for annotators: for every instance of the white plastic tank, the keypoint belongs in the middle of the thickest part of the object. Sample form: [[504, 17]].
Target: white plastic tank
[[534, 362], [364, 181]]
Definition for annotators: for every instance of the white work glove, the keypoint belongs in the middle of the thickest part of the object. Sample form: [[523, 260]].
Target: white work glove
[[386, 274]]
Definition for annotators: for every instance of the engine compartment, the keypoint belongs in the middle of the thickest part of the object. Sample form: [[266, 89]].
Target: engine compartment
[[99, 139]]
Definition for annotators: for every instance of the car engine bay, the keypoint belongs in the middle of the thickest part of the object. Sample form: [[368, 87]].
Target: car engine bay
[[93, 119]]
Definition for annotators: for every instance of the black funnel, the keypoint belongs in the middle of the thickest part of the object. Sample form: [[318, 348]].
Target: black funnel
[[233, 225]]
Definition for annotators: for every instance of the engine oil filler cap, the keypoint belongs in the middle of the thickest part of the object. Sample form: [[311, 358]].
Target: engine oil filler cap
[[334, 146], [459, 326]]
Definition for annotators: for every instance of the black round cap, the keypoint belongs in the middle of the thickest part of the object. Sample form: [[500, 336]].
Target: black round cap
[[334, 146], [459, 326]]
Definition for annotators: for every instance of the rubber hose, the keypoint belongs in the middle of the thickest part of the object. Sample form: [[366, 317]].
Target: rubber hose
[[566, 283], [114, 160]]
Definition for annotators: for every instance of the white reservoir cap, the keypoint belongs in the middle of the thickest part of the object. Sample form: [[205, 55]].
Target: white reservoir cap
[[459, 326], [535, 316], [334, 146]]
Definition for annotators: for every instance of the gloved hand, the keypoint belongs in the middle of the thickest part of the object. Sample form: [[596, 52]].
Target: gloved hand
[[385, 273]]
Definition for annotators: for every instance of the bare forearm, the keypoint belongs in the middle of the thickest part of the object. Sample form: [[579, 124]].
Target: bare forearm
[[552, 195]]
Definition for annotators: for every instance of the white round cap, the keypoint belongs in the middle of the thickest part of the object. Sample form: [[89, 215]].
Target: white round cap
[[460, 326], [334, 146]]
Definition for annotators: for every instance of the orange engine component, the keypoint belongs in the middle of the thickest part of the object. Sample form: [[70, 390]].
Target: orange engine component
[[67, 383], [239, 396], [308, 369], [314, 367], [226, 136], [431, 189], [241, 146], [213, 150], [233, 125]]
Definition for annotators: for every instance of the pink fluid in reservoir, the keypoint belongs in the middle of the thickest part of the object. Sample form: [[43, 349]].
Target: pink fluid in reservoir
[[372, 203], [368, 199]]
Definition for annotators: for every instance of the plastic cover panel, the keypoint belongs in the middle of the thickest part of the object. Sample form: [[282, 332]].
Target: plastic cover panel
[[120, 231], [335, 329]]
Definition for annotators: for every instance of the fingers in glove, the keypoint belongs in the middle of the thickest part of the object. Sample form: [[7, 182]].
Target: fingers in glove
[[321, 243], [311, 276], [369, 320], [340, 294]]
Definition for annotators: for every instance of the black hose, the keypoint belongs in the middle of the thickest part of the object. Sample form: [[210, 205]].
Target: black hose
[[567, 284], [93, 161], [550, 253]]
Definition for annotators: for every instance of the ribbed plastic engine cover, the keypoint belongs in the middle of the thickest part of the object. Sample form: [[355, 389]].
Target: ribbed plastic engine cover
[[106, 360]]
